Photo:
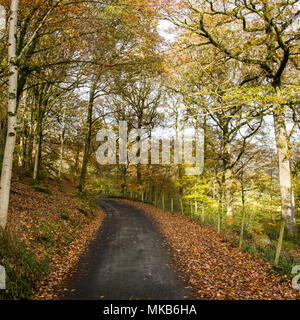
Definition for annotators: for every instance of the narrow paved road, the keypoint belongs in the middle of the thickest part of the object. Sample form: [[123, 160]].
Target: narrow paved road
[[128, 259]]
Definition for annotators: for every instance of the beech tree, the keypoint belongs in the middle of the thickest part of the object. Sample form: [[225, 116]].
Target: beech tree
[[136, 97], [127, 43]]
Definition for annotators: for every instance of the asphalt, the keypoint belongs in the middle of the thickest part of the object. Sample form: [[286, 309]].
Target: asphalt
[[127, 260]]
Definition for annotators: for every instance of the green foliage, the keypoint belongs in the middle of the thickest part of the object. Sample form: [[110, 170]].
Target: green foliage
[[23, 269], [64, 216], [88, 203], [83, 211], [68, 239], [46, 235], [42, 189]]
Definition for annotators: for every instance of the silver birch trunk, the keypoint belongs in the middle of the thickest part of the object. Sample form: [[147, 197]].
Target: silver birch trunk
[[6, 172], [285, 179]]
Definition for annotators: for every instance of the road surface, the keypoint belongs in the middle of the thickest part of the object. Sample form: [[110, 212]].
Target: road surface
[[127, 260]]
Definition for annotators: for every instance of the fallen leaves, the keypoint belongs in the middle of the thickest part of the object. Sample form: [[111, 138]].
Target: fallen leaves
[[215, 269], [52, 226]]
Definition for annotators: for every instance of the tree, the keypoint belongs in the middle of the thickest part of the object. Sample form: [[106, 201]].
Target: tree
[[136, 97], [19, 52], [11, 112], [124, 46], [207, 82], [259, 34]]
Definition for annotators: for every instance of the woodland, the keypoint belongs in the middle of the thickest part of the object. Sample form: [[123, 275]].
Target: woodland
[[230, 67]]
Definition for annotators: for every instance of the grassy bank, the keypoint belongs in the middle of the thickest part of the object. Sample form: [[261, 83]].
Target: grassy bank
[[49, 226]]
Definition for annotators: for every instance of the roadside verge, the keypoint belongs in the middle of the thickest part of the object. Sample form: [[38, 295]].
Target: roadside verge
[[49, 227], [213, 267]]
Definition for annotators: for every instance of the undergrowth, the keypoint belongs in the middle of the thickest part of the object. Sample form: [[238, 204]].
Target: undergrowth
[[259, 244], [23, 269]]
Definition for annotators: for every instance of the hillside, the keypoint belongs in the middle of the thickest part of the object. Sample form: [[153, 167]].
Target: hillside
[[49, 226]]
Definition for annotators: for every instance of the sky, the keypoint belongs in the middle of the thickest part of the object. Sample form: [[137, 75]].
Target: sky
[[164, 27]]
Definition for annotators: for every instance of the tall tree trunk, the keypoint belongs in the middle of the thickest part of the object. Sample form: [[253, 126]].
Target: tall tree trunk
[[229, 193], [3, 133], [228, 177], [28, 161], [37, 157], [139, 174], [139, 166], [62, 141], [285, 179], [88, 135], [243, 214], [77, 154], [22, 150], [7, 164], [38, 144], [220, 208]]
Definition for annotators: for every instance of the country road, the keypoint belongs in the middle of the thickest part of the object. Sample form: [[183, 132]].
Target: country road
[[128, 259]]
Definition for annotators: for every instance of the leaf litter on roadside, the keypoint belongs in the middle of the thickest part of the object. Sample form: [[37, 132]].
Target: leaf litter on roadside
[[214, 268], [52, 226]]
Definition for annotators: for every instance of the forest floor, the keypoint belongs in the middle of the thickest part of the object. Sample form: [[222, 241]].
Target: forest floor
[[50, 225], [53, 232], [213, 267]]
